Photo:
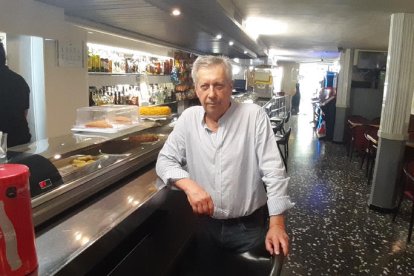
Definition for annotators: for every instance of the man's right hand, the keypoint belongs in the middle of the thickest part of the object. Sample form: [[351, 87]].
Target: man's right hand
[[199, 199]]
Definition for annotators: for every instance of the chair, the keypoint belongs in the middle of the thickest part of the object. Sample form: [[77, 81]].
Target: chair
[[376, 121], [351, 122], [278, 126], [358, 141], [370, 152], [286, 120], [283, 140], [407, 191]]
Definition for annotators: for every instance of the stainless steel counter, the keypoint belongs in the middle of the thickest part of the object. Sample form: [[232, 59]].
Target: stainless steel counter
[[58, 246], [96, 207], [57, 183]]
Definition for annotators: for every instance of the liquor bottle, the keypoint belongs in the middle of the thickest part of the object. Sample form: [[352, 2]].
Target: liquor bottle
[[89, 60], [115, 98]]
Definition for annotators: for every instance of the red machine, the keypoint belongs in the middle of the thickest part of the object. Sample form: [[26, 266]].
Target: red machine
[[17, 239]]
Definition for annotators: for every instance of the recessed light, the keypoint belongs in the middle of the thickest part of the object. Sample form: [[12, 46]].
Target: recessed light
[[219, 36], [245, 52], [231, 43], [176, 12]]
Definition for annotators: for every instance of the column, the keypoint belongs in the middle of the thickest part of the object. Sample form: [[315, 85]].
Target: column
[[398, 93], [343, 94]]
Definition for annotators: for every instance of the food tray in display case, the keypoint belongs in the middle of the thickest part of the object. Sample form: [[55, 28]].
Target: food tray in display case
[[106, 119], [113, 129], [156, 117], [78, 165]]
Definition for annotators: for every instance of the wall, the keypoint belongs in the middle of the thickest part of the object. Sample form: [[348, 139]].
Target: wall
[[66, 88], [366, 102]]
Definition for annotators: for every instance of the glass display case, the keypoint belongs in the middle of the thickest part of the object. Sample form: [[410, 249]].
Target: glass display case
[[106, 118], [68, 169]]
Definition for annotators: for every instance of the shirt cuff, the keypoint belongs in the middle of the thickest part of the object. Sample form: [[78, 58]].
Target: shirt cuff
[[175, 174], [279, 205]]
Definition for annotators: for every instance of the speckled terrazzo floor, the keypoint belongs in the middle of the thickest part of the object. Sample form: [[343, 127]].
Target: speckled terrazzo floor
[[332, 230]]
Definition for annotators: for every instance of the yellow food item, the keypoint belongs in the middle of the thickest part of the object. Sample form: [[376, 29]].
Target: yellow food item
[[84, 158], [82, 161], [154, 110], [99, 124]]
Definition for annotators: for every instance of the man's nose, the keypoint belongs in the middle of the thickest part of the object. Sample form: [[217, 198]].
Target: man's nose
[[212, 92]]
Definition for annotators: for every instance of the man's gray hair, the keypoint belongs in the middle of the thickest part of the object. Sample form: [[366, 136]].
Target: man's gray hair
[[207, 61]]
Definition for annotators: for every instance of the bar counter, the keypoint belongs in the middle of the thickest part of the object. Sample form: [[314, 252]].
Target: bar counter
[[107, 218], [79, 242]]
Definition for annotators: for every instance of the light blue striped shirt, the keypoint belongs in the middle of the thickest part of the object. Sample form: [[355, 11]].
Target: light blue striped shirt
[[231, 164]]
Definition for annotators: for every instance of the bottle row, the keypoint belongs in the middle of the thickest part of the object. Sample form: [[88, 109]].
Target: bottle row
[[113, 61], [151, 94]]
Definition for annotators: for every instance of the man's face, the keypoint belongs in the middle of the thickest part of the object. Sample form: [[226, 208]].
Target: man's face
[[214, 90]]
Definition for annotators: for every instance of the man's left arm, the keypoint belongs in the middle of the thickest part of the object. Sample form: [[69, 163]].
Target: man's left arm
[[276, 182]]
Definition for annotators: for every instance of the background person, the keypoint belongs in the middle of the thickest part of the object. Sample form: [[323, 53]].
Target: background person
[[223, 155], [14, 104], [296, 100]]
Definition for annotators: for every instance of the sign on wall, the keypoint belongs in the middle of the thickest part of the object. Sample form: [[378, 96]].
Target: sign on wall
[[70, 54]]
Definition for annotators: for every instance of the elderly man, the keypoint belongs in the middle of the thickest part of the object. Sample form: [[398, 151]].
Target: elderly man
[[223, 155]]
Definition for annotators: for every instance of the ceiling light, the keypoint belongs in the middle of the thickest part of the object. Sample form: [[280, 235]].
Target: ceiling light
[[231, 43], [245, 52], [176, 12], [256, 26], [235, 69], [219, 36]]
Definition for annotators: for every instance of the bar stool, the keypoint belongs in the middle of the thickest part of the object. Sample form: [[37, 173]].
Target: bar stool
[[256, 261], [407, 191], [221, 262]]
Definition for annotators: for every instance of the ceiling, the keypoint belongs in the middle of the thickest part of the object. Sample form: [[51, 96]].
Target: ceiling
[[316, 30]]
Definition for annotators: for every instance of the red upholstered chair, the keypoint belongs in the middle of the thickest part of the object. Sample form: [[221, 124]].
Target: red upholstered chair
[[351, 122], [358, 142], [370, 152], [376, 121], [407, 191]]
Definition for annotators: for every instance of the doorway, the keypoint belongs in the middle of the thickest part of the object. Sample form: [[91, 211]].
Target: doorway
[[311, 77]]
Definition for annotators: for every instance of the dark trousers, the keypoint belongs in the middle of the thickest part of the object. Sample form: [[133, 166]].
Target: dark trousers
[[215, 240]]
